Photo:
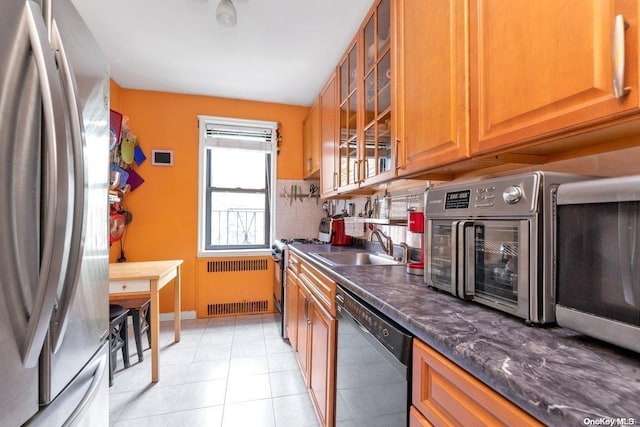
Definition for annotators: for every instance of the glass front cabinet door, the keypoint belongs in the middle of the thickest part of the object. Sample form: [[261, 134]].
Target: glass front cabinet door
[[347, 173], [366, 145], [378, 158]]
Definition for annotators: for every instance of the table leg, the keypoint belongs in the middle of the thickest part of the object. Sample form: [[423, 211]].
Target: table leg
[[155, 331], [177, 305]]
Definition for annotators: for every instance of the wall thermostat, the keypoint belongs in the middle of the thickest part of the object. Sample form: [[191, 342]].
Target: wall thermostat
[[162, 157]]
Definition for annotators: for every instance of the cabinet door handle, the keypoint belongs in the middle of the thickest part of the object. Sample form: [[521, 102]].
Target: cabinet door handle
[[356, 172], [618, 57], [399, 163]]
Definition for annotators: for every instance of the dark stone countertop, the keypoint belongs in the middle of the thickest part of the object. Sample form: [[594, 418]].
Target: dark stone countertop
[[555, 374]]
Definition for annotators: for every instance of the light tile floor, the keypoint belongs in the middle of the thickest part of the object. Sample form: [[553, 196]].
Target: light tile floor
[[225, 372]]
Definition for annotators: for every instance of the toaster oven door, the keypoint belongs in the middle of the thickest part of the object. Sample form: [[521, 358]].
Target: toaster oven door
[[441, 255], [495, 263]]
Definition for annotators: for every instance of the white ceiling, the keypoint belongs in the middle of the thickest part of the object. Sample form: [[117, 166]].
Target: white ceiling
[[280, 51]]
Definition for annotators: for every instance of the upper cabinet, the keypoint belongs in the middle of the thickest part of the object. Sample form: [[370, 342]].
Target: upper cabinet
[[378, 155], [430, 84], [543, 68], [328, 138], [365, 144], [347, 173], [311, 142], [439, 88]]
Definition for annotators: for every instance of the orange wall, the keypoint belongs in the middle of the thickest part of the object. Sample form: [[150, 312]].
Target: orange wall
[[164, 208], [114, 95]]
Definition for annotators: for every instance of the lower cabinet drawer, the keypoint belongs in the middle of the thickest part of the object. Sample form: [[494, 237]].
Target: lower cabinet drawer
[[447, 395], [323, 288], [129, 286]]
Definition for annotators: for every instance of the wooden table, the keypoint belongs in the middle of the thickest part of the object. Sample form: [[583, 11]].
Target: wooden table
[[130, 279]]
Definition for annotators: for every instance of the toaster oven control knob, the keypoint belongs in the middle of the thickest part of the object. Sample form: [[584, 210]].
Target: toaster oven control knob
[[512, 194]]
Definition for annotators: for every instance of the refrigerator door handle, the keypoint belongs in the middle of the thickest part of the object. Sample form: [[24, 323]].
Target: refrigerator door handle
[[55, 206], [77, 144]]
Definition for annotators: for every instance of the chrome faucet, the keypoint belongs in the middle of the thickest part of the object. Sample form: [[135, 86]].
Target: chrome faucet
[[405, 252], [387, 244]]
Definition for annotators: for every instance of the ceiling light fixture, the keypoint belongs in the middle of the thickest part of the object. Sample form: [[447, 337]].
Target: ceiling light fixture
[[226, 13]]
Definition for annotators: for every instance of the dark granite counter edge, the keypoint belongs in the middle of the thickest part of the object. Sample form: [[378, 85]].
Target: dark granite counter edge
[[542, 401]]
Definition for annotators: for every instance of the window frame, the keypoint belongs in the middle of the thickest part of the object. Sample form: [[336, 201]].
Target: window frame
[[204, 190]]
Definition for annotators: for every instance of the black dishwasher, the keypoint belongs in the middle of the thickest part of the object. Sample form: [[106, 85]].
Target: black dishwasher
[[373, 366]]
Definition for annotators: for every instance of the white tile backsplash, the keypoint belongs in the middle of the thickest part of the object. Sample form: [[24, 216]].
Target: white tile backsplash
[[297, 219], [300, 219]]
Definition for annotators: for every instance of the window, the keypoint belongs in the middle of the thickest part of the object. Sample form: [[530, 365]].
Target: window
[[236, 197]]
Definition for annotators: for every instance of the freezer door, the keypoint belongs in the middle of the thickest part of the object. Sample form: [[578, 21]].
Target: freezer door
[[80, 319], [85, 401]]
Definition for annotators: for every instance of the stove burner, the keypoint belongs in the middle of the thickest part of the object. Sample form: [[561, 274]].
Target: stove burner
[[302, 241], [280, 244]]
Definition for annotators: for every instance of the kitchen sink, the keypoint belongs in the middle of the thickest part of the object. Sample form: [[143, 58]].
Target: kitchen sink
[[354, 258]]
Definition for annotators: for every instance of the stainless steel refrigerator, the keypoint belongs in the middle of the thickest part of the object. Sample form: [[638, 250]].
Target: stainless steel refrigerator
[[54, 147]]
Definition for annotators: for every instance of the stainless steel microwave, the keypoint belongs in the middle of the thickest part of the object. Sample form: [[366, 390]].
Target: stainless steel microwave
[[598, 259]]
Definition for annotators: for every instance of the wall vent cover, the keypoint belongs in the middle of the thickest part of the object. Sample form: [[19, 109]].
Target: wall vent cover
[[237, 265], [244, 307]]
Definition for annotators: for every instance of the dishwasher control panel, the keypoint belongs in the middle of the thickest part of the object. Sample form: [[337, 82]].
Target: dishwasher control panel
[[383, 330]]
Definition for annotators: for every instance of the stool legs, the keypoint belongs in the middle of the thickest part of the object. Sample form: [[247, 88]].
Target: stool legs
[[112, 365], [125, 346], [136, 334], [118, 339], [141, 322], [147, 318], [139, 310]]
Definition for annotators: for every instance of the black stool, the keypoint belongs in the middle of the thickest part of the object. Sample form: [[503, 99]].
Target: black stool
[[141, 316], [117, 337]]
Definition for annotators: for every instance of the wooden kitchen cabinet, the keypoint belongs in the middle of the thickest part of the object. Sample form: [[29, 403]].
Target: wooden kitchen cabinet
[[291, 309], [311, 142], [365, 146], [348, 144], [378, 151], [302, 325], [430, 84], [416, 419], [312, 324], [443, 394], [329, 138], [296, 313], [478, 84], [542, 69], [321, 341], [322, 338]]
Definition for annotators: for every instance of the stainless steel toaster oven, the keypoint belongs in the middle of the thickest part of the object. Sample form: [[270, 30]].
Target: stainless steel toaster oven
[[490, 242]]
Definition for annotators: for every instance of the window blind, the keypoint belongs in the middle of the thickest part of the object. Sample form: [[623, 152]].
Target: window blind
[[248, 134]]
